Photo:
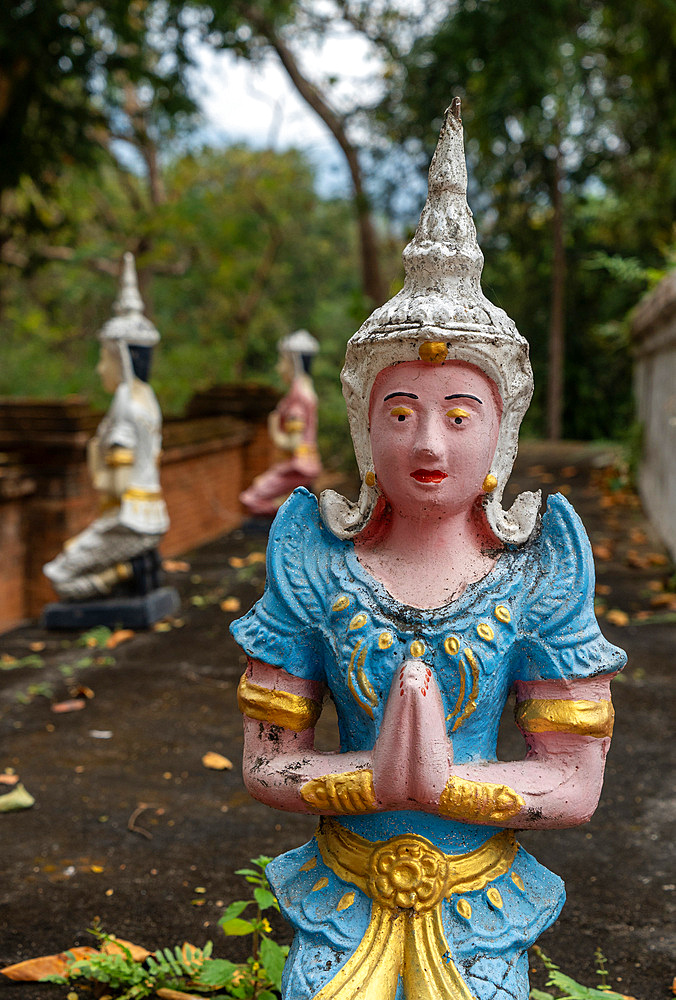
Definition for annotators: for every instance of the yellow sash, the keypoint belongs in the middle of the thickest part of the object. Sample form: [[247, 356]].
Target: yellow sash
[[407, 878]]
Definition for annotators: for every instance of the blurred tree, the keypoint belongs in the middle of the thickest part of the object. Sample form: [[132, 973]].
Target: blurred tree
[[570, 120], [240, 252], [254, 29], [66, 69]]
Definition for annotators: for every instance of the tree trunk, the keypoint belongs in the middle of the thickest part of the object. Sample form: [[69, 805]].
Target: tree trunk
[[557, 318], [372, 280]]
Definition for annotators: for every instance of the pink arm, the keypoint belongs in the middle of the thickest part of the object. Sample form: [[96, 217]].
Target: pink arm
[[277, 761], [560, 779]]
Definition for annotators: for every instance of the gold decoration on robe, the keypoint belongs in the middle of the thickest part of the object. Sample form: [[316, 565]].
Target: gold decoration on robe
[[559, 715], [347, 794], [452, 645], [340, 603], [471, 702], [484, 631], [503, 614], [277, 708], [478, 801], [358, 621], [385, 640], [366, 696], [407, 878], [417, 648]]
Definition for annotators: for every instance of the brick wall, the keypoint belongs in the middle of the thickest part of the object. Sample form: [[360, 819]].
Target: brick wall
[[46, 496]]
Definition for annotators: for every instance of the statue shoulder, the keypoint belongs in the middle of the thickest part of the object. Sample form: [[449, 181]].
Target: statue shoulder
[[297, 533], [558, 606]]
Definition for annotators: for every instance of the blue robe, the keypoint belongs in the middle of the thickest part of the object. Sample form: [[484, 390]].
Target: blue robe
[[325, 618]]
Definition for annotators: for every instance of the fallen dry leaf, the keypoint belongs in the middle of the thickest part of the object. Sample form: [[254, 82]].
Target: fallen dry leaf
[[636, 560], [7, 659], [37, 647], [175, 566], [603, 589], [655, 585], [121, 635], [569, 471], [161, 627], [617, 617], [116, 946], [70, 705], [168, 994], [657, 559], [602, 550], [256, 557], [216, 761], [231, 604], [236, 562], [664, 601], [34, 969], [637, 536]]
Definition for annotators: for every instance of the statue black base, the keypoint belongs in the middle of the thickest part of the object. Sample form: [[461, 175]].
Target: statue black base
[[125, 611]]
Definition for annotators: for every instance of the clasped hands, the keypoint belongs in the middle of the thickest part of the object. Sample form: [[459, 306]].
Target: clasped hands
[[411, 763]]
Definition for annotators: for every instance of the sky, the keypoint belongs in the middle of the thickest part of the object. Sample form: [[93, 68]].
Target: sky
[[259, 105]]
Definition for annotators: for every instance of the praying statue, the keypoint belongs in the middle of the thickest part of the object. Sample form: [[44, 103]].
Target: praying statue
[[417, 610], [292, 426], [117, 553]]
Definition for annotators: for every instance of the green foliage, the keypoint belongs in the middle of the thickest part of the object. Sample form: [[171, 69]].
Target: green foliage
[[67, 72], [581, 88], [568, 988], [241, 252], [190, 968]]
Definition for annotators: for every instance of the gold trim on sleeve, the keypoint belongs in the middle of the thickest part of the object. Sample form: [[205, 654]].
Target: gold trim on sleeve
[[119, 456], [278, 708], [347, 794], [559, 715]]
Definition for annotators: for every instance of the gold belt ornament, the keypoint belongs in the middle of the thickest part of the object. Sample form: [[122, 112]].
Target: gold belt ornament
[[138, 493], [407, 878]]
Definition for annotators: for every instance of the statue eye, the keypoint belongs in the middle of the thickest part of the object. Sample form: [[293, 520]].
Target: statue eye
[[458, 416], [401, 412]]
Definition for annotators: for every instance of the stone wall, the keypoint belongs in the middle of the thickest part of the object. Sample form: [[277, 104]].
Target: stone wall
[[46, 496], [654, 335]]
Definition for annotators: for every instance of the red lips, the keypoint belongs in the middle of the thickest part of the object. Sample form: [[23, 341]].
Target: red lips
[[428, 475]]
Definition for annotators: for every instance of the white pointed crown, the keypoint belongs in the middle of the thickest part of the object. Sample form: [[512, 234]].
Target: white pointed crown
[[129, 324], [440, 314]]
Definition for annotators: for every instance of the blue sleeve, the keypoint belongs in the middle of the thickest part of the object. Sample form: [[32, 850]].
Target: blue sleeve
[[284, 628], [559, 635]]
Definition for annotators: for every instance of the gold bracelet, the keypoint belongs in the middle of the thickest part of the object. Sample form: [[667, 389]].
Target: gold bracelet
[[348, 794], [119, 456], [479, 801]]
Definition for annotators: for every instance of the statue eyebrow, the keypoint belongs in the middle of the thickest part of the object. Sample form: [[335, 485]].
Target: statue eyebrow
[[410, 395], [465, 395]]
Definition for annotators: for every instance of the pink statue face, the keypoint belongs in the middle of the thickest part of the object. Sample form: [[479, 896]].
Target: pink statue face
[[109, 368], [433, 432]]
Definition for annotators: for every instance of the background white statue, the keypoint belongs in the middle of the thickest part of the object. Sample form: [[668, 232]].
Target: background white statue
[[123, 458]]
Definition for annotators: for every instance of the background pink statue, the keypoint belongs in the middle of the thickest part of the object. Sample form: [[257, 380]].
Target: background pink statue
[[418, 609], [293, 429]]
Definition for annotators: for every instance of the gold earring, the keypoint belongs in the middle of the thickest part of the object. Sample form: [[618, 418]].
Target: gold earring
[[489, 483], [370, 478]]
